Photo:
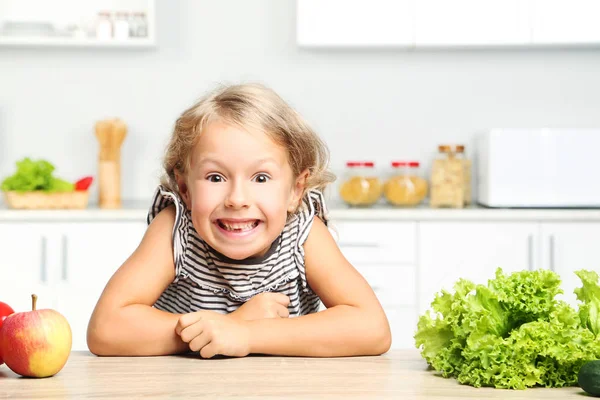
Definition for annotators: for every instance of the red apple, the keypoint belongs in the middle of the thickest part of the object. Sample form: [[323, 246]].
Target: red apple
[[5, 311], [37, 343]]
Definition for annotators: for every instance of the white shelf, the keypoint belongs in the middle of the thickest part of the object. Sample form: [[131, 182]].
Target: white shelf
[[9, 41], [74, 23]]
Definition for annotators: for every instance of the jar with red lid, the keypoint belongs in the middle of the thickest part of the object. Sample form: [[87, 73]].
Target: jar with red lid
[[361, 186], [405, 186]]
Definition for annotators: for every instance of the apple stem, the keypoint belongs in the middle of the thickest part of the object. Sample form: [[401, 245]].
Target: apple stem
[[33, 301]]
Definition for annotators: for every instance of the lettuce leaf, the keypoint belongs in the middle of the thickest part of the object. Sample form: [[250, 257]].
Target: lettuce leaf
[[35, 175], [589, 294], [511, 333]]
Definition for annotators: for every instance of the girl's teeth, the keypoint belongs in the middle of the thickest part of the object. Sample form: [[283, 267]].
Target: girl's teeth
[[238, 227]]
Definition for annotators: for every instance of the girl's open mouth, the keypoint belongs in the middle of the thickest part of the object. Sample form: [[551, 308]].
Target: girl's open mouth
[[237, 226]]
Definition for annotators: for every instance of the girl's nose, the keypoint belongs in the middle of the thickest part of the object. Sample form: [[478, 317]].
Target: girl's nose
[[237, 196]]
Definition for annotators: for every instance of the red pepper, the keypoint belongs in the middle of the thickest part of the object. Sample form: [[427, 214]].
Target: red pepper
[[84, 183]]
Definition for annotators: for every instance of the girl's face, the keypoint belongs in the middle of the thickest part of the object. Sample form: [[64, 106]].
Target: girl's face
[[239, 189]]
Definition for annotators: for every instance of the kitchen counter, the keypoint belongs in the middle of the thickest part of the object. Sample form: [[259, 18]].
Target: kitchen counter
[[395, 375], [137, 210]]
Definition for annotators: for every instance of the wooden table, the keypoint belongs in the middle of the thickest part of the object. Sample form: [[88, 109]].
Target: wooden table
[[395, 375]]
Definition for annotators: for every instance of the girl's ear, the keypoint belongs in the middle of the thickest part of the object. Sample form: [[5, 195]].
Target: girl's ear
[[298, 190], [184, 191]]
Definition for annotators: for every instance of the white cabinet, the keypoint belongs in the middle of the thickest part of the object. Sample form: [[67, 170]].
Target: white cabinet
[[471, 22], [385, 254], [406, 262], [376, 242], [443, 23], [27, 265], [66, 264], [354, 23], [91, 253], [565, 21], [568, 247], [449, 251]]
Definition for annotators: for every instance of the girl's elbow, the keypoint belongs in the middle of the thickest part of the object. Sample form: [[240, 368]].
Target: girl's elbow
[[381, 337], [95, 347], [383, 341], [98, 338]]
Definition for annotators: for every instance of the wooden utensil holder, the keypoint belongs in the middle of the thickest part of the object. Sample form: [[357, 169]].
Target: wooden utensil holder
[[110, 134]]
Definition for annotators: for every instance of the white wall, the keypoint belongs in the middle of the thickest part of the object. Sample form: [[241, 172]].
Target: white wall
[[367, 104]]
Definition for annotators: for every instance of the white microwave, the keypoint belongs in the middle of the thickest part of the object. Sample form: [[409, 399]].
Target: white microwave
[[538, 168]]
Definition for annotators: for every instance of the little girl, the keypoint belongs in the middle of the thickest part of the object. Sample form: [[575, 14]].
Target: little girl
[[237, 255]]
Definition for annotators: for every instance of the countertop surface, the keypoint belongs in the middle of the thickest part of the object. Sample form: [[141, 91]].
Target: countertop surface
[[137, 210], [396, 375]]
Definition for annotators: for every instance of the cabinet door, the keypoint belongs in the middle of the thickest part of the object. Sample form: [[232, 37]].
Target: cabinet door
[[27, 265], [565, 21], [568, 247], [385, 255], [354, 23], [394, 286], [403, 324], [376, 242], [471, 22], [449, 251], [91, 253]]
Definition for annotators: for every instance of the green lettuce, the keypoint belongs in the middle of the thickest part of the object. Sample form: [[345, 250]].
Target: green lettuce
[[589, 294], [512, 333], [35, 175]]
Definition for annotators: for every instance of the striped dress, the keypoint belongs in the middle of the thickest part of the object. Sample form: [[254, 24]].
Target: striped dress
[[208, 280]]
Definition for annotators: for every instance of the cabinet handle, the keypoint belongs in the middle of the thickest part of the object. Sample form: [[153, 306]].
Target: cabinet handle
[[530, 252], [551, 250], [43, 269], [357, 244], [64, 271]]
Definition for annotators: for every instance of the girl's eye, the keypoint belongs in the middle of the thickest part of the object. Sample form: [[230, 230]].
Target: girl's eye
[[261, 178], [215, 178]]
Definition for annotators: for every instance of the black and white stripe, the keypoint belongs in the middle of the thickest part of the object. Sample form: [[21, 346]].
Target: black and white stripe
[[207, 280]]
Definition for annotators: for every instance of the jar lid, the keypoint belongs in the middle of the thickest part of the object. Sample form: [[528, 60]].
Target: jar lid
[[412, 164], [360, 164], [451, 148]]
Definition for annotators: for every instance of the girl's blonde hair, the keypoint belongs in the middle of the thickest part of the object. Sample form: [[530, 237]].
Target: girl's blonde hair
[[250, 106]]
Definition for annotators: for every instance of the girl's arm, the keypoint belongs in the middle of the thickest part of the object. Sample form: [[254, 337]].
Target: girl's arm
[[353, 324], [124, 321]]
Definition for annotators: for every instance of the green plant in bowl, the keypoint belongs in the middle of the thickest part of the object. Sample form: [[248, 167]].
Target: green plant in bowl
[[32, 175]]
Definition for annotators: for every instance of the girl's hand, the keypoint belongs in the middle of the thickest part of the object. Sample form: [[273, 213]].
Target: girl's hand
[[211, 333], [263, 305]]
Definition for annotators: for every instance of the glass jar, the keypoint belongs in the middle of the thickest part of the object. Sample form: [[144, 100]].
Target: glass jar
[[361, 185], [121, 26], [405, 186], [104, 26], [451, 177], [141, 25], [133, 25]]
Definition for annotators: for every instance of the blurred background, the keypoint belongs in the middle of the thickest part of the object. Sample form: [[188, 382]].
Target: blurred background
[[374, 99], [487, 106]]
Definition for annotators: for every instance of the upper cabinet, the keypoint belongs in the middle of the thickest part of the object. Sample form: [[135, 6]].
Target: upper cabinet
[[561, 22], [355, 23], [447, 23], [471, 22], [75, 23]]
